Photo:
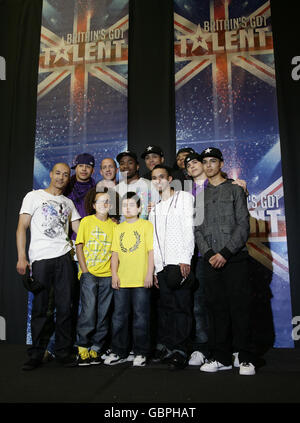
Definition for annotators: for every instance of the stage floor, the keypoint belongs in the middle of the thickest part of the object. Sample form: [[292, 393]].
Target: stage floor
[[276, 381]]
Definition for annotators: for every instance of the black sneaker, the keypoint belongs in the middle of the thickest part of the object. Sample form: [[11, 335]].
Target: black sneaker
[[160, 355], [31, 364], [68, 361], [177, 361], [95, 358]]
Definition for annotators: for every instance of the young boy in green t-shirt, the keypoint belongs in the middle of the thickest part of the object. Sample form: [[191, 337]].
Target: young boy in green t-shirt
[[132, 268]]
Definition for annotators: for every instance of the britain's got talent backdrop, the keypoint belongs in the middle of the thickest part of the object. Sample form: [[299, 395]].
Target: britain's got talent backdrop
[[82, 88], [226, 97]]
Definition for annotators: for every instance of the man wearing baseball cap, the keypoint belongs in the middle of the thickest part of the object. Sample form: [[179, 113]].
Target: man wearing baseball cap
[[129, 170], [180, 172], [221, 239], [153, 155]]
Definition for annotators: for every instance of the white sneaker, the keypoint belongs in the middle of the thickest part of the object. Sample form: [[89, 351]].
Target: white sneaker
[[106, 354], [139, 360], [113, 359], [131, 356], [196, 359], [236, 362], [247, 369], [213, 366]]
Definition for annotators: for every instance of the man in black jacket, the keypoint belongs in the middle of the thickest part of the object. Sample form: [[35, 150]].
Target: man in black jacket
[[221, 239]]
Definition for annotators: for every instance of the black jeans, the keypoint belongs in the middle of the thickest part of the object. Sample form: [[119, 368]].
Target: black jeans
[[174, 314], [228, 296], [58, 277]]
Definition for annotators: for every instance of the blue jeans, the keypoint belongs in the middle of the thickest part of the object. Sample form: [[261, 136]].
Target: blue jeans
[[93, 322], [200, 310], [139, 300]]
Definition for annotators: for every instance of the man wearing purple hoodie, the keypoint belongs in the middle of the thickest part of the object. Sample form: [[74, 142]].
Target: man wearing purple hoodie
[[81, 182]]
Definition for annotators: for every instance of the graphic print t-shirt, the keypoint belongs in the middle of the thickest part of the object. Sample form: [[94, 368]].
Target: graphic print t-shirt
[[132, 242], [96, 237], [50, 217]]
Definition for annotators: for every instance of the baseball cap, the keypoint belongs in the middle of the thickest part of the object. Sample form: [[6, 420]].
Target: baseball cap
[[84, 158], [152, 149], [190, 157], [211, 152], [127, 153], [185, 150]]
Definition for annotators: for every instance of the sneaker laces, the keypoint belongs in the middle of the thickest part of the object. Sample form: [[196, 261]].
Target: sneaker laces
[[93, 354], [84, 354]]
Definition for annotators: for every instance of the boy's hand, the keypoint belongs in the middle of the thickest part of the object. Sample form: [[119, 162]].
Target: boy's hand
[[115, 282], [156, 281], [148, 282]]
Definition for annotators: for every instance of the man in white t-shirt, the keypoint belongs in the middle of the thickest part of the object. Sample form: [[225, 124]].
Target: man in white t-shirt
[[132, 182], [48, 214]]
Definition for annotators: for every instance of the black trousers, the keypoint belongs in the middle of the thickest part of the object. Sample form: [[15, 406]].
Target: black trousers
[[58, 277], [228, 296], [174, 314]]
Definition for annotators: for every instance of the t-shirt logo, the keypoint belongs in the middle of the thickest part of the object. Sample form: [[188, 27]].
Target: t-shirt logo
[[55, 218], [134, 247]]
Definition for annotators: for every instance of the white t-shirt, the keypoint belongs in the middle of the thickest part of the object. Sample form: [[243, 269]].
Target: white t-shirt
[[144, 189], [49, 226]]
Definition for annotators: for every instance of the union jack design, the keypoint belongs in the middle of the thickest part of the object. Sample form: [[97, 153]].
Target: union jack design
[[63, 60], [202, 49]]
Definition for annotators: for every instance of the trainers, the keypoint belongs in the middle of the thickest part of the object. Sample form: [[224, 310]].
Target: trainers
[[160, 355], [247, 369], [177, 361], [236, 362], [139, 360], [106, 354], [83, 358], [48, 356], [131, 356], [213, 366], [67, 361], [196, 359], [31, 364], [113, 359], [95, 358]]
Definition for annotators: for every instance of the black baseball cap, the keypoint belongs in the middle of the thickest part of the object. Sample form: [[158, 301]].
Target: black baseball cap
[[190, 157], [152, 149], [185, 150], [211, 152], [127, 153]]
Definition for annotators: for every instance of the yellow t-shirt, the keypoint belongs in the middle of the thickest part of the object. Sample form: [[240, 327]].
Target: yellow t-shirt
[[96, 237], [132, 242]]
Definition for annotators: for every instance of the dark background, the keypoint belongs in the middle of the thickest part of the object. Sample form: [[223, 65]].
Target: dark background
[[151, 120]]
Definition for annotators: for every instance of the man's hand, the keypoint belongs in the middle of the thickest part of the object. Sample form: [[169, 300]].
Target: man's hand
[[217, 261], [156, 282], [21, 266], [115, 282], [185, 269], [242, 184], [148, 282]]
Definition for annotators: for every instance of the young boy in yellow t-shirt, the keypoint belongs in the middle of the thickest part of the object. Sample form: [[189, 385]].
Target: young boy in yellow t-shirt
[[93, 249], [132, 268]]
